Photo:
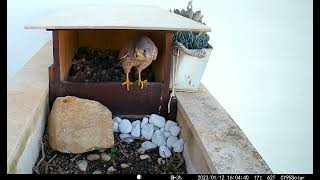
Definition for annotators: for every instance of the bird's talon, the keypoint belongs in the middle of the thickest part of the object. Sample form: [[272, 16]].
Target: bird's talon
[[128, 83], [142, 83]]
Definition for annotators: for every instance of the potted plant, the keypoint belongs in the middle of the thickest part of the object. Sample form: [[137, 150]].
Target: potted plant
[[191, 54]]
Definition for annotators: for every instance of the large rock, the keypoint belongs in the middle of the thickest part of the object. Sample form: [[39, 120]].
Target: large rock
[[78, 125]]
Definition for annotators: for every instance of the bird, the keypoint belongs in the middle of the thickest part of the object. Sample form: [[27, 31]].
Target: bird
[[139, 53]]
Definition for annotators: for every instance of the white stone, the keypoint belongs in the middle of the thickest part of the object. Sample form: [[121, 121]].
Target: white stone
[[145, 121], [161, 130], [157, 120], [144, 156], [168, 124], [115, 127], [167, 134], [158, 138], [171, 140], [135, 132], [126, 138], [175, 130], [155, 128], [125, 126], [82, 164], [148, 145], [178, 146], [117, 120], [164, 152], [147, 131]]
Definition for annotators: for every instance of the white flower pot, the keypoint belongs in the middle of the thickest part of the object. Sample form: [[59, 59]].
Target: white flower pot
[[189, 71]]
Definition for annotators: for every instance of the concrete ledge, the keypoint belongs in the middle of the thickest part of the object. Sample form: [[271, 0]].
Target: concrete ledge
[[27, 111], [214, 142]]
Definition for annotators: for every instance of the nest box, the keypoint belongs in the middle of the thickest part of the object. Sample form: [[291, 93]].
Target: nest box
[[111, 27]]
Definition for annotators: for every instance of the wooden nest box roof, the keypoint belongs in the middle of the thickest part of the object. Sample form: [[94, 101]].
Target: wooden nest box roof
[[118, 17]]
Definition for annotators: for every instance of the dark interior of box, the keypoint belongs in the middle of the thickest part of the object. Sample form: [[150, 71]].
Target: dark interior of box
[[71, 40]]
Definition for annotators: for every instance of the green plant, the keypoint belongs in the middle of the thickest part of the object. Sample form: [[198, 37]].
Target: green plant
[[191, 40]]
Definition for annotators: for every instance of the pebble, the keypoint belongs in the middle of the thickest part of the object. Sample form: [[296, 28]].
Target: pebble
[[105, 157], [164, 151], [141, 150], [147, 131], [178, 146], [145, 121], [135, 132], [115, 127], [144, 156], [102, 150], [82, 164], [111, 169], [117, 119], [157, 120], [93, 157], [126, 138], [168, 124], [125, 126], [123, 165], [161, 161], [97, 172], [158, 138], [148, 145], [167, 134], [175, 130], [171, 140]]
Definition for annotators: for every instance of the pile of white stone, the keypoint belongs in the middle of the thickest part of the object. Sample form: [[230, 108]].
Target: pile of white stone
[[162, 133]]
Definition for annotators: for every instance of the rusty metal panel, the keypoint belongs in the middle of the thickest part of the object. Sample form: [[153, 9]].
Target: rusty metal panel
[[111, 94]]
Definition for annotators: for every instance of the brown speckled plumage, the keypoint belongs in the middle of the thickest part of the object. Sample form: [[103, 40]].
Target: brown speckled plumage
[[137, 53]]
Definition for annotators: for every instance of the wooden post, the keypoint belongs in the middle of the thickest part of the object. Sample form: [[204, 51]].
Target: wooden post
[[166, 72]]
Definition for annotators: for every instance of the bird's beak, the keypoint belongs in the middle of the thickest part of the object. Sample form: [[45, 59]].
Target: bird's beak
[[139, 52]]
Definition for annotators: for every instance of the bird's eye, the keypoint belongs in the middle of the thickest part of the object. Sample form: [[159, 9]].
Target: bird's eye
[[144, 51]]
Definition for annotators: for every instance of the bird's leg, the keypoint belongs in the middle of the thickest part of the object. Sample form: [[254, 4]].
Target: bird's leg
[[139, 82], [127, 82]]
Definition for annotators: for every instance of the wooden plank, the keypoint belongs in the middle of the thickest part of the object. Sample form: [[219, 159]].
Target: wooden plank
[[68, 45], [118, 17], [167, 56], [55, 45]]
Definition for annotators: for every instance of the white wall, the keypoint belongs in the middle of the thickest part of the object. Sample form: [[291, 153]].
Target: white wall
[[260, 69]]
